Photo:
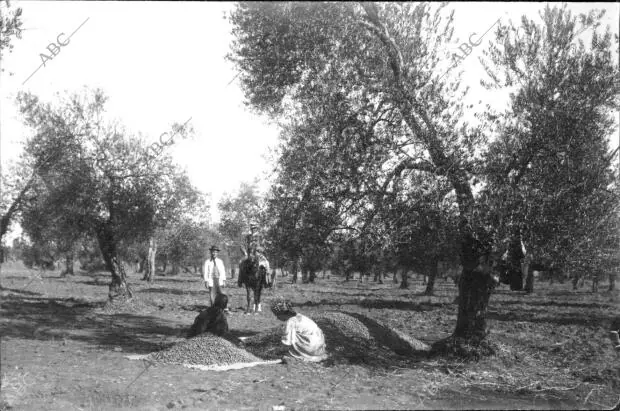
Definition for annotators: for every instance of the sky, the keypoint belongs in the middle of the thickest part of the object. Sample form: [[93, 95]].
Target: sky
[[159, 63], [163, 62]]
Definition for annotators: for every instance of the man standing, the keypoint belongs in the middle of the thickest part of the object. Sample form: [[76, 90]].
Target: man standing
[[214, 274]]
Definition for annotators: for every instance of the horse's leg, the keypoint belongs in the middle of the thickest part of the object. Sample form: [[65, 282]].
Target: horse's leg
[[248, 292], [257, 292]]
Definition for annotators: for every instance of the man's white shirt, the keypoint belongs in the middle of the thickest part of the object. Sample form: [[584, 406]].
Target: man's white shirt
[[209, 271]]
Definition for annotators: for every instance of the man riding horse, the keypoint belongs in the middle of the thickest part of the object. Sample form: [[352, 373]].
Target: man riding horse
[[253, 271]]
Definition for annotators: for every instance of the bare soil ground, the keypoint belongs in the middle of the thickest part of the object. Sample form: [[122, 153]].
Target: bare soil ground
[[62, 349]]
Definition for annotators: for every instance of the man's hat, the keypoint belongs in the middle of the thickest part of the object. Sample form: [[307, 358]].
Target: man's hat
[[214, 248]]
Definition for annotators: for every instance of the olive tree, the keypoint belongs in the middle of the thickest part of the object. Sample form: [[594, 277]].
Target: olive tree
[[96, 178]]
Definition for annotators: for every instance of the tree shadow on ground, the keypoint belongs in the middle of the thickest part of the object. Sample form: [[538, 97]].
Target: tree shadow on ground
[[357, 286], [67, 318], [402, 305], [159, 278], [194, 307], [324, 302], [557, 304], [568, 293], [16, 277], [343, 294], [497, 399], [379, 304], [103, 283], [174, 291], [411, 293], [90, 274], [86, 278], [201, 307], [547, 316], [19, 290]]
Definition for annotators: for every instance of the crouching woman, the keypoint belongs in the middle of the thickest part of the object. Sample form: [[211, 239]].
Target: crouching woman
[[212, 320], [305, 338]]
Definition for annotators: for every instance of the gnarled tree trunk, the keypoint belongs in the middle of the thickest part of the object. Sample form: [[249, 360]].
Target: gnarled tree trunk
[[311, 276], [119, 289], [15, 206], [141, 265], [295, 269], [528, 271], [595, 281], [348, 274], [68, 264], [575, 279], [515, 260], [582, 280], [274, 277], [404, 283], [529, 280], [432, 275], [150, 268], [475, 287]]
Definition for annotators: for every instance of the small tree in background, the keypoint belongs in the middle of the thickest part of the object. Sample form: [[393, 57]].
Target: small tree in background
[[237, 212], [185, 245]]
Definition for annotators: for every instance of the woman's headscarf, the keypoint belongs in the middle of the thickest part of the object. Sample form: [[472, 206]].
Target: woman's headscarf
[[281, 306], [221, 301]]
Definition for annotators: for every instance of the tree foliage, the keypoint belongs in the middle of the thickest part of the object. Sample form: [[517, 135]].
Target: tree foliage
[[10, 29], [185, 244], [238, 211], [364, 78], [96, 178], [360, 94], [550, 174]]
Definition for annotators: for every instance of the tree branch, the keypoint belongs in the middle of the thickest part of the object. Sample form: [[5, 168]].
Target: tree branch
[[408, 106], [375, 25], [15, 205]]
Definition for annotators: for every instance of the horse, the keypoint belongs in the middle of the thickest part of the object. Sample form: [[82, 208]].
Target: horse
[[253, 275]]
